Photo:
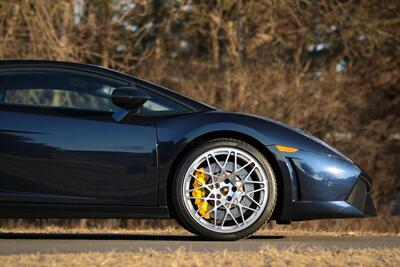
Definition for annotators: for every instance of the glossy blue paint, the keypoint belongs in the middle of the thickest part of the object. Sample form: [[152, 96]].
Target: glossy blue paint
[[54, 159], [323, 178], [65, 160]]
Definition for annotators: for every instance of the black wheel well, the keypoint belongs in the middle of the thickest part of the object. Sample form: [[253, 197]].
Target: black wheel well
[[234, 135]]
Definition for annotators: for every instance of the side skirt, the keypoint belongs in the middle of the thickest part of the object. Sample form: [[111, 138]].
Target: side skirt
[[28, 210]]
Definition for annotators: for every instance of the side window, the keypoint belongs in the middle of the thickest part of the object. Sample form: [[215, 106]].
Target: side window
[[58, 89], [159, 105]]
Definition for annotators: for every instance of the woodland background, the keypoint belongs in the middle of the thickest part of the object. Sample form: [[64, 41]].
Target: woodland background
[[329, 67]]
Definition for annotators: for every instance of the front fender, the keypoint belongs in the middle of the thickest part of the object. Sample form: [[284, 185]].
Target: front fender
[[174, 134], [299, 182]]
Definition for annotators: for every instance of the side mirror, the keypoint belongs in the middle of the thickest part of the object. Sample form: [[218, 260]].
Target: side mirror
[[128, 99]]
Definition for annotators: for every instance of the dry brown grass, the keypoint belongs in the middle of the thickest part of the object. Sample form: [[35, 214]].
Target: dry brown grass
[[267, 256], [380, 225], [176, 230]]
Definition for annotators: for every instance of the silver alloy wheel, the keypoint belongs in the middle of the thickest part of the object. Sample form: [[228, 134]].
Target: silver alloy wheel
[[235, 189]]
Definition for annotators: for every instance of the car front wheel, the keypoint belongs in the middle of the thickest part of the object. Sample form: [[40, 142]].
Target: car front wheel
[[224, 189]]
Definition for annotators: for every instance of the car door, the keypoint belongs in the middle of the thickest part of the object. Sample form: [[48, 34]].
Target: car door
[[60, 144]]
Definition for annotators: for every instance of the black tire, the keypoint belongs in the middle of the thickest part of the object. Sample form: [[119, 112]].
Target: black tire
[[183, 215]]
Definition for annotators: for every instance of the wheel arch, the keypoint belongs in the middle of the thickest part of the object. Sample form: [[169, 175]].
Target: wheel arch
[[234, 135]]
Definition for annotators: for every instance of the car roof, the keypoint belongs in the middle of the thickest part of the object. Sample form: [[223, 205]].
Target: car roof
[[196, 105]]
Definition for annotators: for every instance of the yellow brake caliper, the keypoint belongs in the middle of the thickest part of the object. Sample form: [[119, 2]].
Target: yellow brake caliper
[[201, 193]]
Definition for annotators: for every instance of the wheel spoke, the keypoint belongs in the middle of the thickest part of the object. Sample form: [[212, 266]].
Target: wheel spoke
[[215, 212], [213, 209], [241, 212], [248, 208], [226, 214], [210, 169], [250, 172], [201, 198], [216, 161], [256, 190], [253, 182], [197, 188], [235, 162], [233, 217], [227, 159], [252, 199], [244, 166]]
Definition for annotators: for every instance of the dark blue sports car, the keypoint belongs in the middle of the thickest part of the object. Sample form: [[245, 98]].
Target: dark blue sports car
[[83, 141]]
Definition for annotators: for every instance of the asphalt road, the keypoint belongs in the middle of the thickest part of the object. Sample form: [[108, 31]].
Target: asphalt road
[[73, 243]]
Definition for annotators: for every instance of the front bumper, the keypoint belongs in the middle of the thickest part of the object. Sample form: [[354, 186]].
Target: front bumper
[[326, 187], [357, 205]]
